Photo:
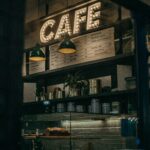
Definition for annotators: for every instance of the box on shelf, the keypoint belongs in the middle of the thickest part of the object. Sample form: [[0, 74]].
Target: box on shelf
[[95, 106], [130, 83], [106, 108], [29, 92], [123, 71], [115, 107]]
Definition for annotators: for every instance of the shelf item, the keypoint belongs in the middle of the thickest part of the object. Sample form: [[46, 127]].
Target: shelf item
[[95, 86], [95, 106], [71, 107], [123, 71], [60, 108], [120, 93], [115, 107], [39, 107], [130, 83], [105, 108], [80, 108], [29, 92]]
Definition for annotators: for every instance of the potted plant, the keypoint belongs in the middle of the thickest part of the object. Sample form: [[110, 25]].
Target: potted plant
[[76, 86]]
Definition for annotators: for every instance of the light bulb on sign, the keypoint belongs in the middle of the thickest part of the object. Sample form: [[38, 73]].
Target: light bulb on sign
[[64, 26], [79, 18], [43, 37], [93, 16]]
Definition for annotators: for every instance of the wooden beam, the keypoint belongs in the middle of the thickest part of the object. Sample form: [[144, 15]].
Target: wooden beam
[[135, 5]]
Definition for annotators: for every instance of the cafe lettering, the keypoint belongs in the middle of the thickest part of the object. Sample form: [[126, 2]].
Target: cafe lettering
[[88, 14]]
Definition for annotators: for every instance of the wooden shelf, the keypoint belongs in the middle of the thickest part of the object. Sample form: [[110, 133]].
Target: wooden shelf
[[121, 93], [72, 137], [75, 116], [88, 69]]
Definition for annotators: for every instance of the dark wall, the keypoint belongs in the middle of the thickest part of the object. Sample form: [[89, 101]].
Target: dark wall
[[11, 48]]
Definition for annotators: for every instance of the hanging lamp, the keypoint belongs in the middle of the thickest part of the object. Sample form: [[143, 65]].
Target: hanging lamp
[[37, 54], [67, 46]]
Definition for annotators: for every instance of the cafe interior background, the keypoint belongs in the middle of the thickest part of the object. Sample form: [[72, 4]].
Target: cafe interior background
[[84, 99]]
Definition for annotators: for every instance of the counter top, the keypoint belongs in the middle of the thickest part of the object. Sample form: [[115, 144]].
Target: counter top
[[72, 137]]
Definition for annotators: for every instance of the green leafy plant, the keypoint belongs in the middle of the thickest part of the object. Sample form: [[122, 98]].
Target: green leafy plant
[[72, 80], [75, 82]]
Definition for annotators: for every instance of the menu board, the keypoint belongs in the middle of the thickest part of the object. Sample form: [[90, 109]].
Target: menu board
[[93, 46], [35, 67]]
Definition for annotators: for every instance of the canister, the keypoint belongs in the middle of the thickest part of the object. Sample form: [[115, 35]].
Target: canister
[[130, 83], [70, 107], [95, 86], [60, 107], [95, 106], [115, 107], [106, 108], [79, 108], [42, 98]]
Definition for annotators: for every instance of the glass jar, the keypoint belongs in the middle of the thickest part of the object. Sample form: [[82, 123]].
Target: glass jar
[[130, 83]]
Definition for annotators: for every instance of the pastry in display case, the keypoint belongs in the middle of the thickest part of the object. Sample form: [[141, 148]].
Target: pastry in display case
[[56, 131]]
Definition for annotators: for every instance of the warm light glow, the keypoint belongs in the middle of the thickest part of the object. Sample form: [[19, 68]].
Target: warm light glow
[[67, 50], [93, 20], [64, 27], [79, 18], [114, 122], [36, 59], [46, 38], [88, 14]]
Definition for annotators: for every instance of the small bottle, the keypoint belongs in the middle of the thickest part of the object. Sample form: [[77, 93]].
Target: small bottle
[[37, 132]]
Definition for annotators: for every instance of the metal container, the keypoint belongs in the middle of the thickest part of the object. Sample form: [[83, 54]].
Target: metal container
[[95, 86], [60, 107], [71, 107], [130, 83], [95, 106], [115, 107], [79, 108], [106, 108]]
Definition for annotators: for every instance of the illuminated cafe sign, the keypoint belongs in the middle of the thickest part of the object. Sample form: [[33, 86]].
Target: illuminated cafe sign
[[55, 27]]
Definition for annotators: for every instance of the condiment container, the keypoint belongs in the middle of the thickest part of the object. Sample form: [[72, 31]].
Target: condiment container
[[130, 83], [79, 108], [106, 108], [115, 107], [95, 106], [71, 107]]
